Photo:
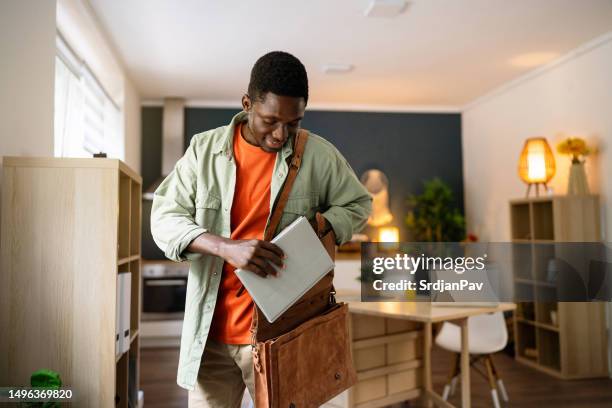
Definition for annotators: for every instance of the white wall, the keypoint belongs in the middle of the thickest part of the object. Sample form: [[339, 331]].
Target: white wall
[[572, 96], [27, 74], [131, 113], [81, 28]]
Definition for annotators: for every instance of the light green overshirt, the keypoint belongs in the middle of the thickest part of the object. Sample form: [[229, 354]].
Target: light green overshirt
[[197, 198]]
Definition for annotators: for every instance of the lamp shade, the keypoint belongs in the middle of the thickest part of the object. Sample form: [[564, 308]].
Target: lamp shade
[[388, 234], [537, 163]]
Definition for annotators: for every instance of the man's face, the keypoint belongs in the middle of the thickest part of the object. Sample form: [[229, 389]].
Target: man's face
[[272, 120]]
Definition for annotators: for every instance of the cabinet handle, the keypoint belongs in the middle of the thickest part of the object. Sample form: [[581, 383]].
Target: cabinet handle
[[165, 282]]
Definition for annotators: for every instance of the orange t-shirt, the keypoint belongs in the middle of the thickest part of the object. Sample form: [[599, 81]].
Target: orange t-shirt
[[232, 317]]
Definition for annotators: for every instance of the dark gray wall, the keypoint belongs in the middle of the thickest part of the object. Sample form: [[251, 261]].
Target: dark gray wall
[[151, 142], [408, 147]]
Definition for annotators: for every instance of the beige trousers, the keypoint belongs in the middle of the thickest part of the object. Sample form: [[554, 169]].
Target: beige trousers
[[224, 371]]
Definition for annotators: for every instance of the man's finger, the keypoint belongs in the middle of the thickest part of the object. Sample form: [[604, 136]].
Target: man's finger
[[272, 247], [263, 266], [256, 269], [269, 256]]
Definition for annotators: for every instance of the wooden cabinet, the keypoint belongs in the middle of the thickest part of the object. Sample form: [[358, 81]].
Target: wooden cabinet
[[388, 357], [565, 339], [69, 226]]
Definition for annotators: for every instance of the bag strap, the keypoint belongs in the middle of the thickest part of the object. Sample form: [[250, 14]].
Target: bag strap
[[296, 161]]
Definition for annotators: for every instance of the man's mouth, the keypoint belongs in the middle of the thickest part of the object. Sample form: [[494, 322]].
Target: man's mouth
[[273, 143]]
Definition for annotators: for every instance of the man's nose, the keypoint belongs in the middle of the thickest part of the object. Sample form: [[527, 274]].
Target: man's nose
[[281, 133]]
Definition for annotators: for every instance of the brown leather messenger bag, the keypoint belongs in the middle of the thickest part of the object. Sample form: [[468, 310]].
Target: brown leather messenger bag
[[303, 359]]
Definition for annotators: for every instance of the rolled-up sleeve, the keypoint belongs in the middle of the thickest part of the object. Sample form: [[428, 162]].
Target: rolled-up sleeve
[[172, 215], [349, 203]]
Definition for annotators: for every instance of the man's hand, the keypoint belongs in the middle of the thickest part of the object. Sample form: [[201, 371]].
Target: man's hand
[[252, 254]]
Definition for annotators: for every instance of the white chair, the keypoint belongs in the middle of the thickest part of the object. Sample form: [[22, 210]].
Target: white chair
[[487, 334]]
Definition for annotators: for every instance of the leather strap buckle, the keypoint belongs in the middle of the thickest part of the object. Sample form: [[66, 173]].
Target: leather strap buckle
[[332, 297]]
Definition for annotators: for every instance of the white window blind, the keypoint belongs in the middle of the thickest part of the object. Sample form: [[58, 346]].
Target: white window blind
[[86, 119]]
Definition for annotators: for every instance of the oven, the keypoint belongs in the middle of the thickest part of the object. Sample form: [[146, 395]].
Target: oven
[[164, 287]]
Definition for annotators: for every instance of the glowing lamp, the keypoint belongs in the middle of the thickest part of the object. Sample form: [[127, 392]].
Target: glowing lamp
[[388, 234], [536, 164]]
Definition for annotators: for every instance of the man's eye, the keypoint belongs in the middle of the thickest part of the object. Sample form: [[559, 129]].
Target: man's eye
[[268, 122]]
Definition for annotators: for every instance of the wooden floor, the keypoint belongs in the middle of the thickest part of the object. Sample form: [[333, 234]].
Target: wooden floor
[[527, 388]]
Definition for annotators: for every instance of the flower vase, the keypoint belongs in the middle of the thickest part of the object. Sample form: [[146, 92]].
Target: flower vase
[[577, 184]]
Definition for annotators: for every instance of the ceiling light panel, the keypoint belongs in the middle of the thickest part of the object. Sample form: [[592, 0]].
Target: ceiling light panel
[[386, 8]]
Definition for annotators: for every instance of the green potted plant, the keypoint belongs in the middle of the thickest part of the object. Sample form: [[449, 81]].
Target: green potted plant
[[433, 215]]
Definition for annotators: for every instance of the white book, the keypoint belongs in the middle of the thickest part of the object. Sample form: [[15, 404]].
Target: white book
[[306, 263], [124, 306], [118, 340]]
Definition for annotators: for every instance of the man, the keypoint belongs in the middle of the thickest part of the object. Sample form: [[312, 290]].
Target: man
[[213, 210]]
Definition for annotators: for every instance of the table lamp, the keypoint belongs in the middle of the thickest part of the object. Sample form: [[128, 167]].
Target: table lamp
[[536, 164], [388, 234]]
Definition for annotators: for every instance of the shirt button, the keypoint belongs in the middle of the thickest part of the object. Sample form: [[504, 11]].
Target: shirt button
[[281, 174]]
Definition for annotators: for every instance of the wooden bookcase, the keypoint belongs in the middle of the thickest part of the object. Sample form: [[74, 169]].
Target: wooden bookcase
[[575, 346], [69, 226]]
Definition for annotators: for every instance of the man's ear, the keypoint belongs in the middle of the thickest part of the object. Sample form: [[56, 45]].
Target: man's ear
[[246, 103]]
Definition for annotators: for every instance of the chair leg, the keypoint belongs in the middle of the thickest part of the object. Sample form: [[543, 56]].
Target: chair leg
[[449, 388], [502, 390], [495, 399], [446, 392], [500, 384], [453, 385], [492, 382]]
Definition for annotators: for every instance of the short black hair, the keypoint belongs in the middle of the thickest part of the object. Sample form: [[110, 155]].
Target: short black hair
[[280, 73]]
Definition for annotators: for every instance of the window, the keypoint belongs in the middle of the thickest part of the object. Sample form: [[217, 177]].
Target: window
[[87, 121]]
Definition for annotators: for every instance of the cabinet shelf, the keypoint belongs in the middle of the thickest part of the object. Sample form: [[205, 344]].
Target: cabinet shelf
[[522, 240], [128, 259], [538, 324], [534, 282], [534, 364]]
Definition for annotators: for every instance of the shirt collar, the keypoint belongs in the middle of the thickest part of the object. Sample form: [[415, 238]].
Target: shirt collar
[[224, 143]]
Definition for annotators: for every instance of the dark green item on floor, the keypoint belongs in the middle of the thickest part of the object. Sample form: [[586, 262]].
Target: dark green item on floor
[[47, 379]]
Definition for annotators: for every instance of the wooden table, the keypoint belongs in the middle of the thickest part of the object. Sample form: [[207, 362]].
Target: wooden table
[[427, 314]]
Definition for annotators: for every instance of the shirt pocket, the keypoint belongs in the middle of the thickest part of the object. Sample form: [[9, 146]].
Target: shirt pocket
[[207, 211], [303, 205]]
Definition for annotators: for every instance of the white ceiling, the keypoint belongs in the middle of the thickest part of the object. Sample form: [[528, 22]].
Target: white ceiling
[[439, 52]]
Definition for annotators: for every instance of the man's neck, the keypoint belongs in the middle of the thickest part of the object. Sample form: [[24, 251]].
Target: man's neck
[[245, 132]]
